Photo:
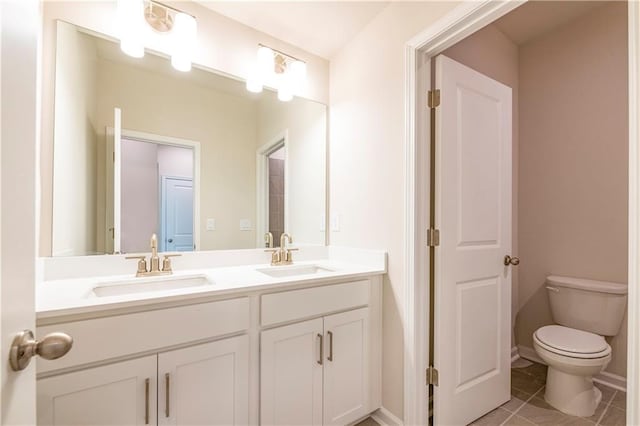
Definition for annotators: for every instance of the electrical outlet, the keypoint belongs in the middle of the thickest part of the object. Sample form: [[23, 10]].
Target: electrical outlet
[[245, 225], [211, 224]]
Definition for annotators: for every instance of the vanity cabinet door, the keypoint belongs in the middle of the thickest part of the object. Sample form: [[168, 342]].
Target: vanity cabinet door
[[206, 384], [346, 367], [123, 394], [291, 374]]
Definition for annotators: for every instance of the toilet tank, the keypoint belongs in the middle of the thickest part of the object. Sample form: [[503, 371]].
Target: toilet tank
[[589, 305]]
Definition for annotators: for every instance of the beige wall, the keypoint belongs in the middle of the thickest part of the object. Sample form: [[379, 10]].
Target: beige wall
[[223, 124], [223, 44], [139, 195], [367, 160], [493, 54], [306, 126], [573, 162], [75, 191]]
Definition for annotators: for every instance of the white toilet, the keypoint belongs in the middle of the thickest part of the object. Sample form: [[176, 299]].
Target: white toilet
[[575, 350]]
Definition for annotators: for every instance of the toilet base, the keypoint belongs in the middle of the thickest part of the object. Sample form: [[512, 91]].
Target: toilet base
[[571, 394]]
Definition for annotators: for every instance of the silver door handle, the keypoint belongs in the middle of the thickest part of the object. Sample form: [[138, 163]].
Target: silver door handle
[[25, 346], [508, 260]]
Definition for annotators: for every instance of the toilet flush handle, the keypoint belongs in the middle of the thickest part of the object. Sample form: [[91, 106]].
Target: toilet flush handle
[[508, 260], [557, 290]]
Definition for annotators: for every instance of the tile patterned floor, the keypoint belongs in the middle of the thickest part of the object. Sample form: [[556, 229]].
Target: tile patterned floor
[[527, 406]]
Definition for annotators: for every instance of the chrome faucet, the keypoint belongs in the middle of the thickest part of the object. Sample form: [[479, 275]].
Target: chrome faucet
[[282, 255], [154, 261]]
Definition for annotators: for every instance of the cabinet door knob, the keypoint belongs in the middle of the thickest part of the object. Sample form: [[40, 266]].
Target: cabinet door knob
[[25, 346]]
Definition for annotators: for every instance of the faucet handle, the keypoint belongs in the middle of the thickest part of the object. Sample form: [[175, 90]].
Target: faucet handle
[[288, 255], [166, 262], [275, 256], [142, 263]]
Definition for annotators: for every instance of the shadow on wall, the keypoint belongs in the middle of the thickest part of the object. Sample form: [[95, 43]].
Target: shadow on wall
[[533, 314]]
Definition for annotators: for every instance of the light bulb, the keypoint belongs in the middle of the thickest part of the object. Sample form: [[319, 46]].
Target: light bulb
[[265, 62], [285, 88], [298, 76], [184, 34], [131, 27], [254, 82]]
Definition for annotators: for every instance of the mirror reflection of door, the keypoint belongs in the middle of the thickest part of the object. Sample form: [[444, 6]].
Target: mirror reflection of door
[[276, 160], [156, 196]]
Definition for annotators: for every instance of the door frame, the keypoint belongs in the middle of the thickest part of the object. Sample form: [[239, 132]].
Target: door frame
[[181, 143], [444, 33], [262, 183], [162, 206]]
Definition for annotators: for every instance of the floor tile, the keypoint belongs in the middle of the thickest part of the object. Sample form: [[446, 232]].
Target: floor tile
[[516, 420], [536, 370], [607, 392], [368, 422], [614, 417], [620, 400], [541, 413], [493, 418], [518, 398], [525, 382]]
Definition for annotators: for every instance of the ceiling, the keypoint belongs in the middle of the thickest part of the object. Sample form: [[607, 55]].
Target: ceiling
[[321, 27], [535, 18]]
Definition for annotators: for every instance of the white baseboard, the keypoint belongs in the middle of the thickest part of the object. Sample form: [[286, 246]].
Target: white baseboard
[[514, 354], [608, 379], [384, 417]]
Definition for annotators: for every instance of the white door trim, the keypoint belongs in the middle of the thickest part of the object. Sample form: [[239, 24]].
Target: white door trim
[[182, 143], [455, 26], [633, 343], [262, 184]]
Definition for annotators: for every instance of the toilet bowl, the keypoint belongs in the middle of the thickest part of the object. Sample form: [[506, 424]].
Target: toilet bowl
[[574, 349], [573, 357]]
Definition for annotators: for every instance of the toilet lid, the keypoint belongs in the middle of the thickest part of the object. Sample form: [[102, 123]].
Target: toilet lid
[[571, 340]]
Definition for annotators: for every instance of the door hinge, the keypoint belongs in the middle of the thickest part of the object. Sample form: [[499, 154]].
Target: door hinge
[[432, 376], [433, 98], [433, 237]]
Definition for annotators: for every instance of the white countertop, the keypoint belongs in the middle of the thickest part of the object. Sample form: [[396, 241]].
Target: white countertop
[[75, 296]]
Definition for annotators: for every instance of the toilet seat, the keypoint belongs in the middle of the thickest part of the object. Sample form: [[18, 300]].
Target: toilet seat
[[572, 343]]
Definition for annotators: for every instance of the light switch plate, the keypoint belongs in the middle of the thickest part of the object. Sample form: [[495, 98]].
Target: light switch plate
[[335, 223], [211, 224], [245, 225]]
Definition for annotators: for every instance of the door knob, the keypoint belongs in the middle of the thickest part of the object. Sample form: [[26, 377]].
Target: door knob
[[25, 346], [508, 260], [170, 240]]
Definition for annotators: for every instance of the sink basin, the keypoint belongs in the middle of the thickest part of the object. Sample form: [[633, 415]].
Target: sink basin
[[148, 284], [293, 270]]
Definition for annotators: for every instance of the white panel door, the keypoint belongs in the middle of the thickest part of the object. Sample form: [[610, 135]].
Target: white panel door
[[120, 394], [291, 361], [207, 384], [177, 214], [473, 213], [20, 26], [346, 367]]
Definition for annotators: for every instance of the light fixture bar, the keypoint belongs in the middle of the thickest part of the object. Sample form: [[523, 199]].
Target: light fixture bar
[[171, 8], [280, 52]]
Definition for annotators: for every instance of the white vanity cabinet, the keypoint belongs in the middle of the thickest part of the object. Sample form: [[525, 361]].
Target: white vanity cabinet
[[319, 371], [119, 394], [206, 384], [316, 372]]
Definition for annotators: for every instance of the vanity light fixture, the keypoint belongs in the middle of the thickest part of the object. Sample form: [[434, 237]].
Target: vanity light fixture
[[131, 27], [137, 17], [288, 73]]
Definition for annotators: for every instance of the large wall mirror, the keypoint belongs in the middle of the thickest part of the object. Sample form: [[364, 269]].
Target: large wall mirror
[[195, 158]]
